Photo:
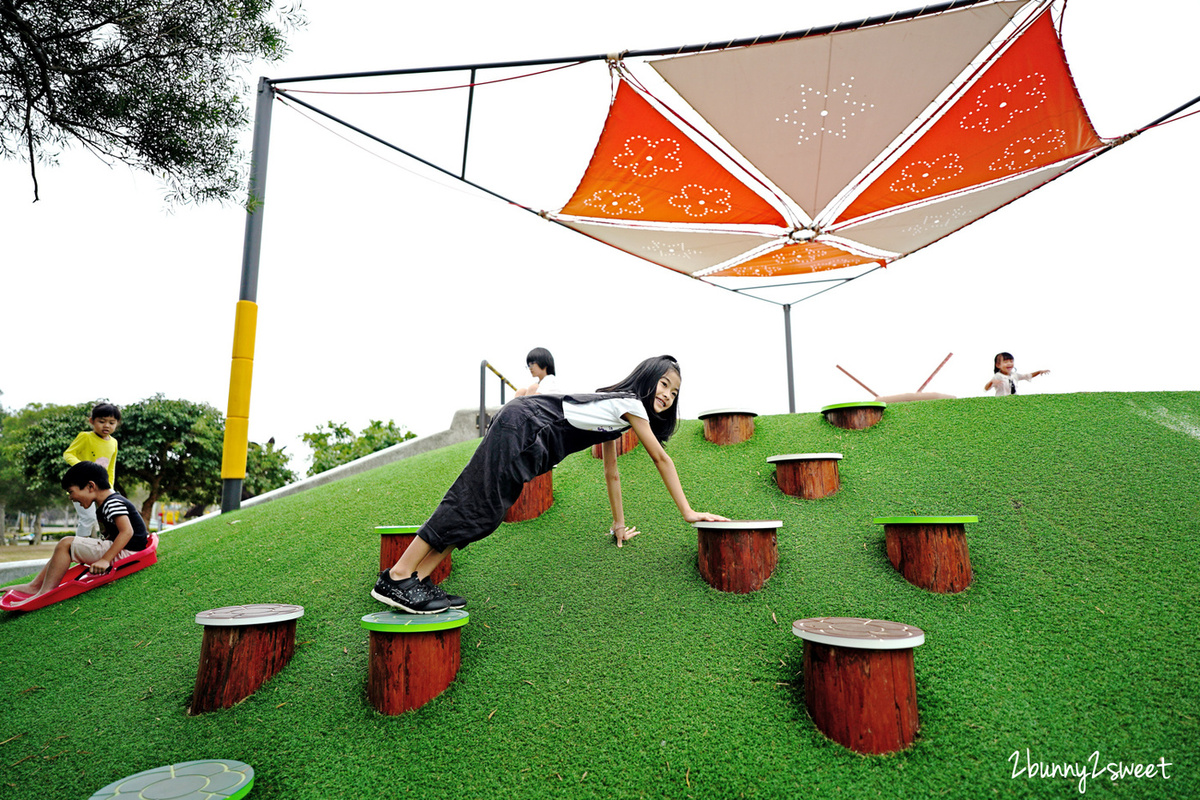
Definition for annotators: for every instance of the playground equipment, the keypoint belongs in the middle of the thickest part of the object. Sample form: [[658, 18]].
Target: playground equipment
[[243, 646], [413, 658], [78, 580], [930, 552], [728, 425], [808, 475], [739, 555]]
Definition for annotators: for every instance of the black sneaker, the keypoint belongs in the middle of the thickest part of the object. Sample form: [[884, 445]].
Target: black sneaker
[[436, 591], [409, 595]]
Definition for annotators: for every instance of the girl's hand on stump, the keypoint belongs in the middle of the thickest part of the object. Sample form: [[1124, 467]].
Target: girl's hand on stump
[[700, 516]]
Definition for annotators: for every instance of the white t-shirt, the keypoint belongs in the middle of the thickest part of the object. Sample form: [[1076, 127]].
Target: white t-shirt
[[1004, 384], [603, 415], [549, 385]]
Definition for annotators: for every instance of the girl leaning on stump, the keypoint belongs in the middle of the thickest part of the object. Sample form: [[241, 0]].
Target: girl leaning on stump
[[527, 438]]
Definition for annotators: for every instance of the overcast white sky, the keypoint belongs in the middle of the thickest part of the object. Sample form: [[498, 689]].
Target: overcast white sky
[[381, 290]]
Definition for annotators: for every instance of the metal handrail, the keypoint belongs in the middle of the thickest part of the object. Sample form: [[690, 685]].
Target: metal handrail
[[483, 418]]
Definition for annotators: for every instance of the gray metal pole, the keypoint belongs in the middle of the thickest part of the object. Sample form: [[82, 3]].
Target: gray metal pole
[[482, 397], [787, 334], [231, 488]]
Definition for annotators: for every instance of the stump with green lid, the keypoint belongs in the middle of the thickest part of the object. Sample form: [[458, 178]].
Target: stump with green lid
[[930, 552], [854, 416], [413, 657]]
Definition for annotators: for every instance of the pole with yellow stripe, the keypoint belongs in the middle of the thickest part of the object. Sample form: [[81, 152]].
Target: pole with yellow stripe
[[237, 416]]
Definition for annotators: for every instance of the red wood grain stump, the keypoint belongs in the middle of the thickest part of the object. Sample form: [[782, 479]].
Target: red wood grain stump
[[395, 539], [243, 647], [737, 556], [413, 657], [536, 497], [854, 416], [728, 425], [930, 552], [625, 444], [859, 682], [808, 475]]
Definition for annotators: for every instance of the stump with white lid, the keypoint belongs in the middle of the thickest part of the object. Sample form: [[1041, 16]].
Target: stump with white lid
[[860, 685], [209, 779], [413, 657], [739, 555], [930, 552], [808, 475], [395, 539], [728, 425], [535, 498], [243, 646], [854, 416]]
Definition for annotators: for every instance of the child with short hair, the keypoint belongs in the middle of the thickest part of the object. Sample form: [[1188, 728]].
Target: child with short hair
[[541, 366], [99, 446], [124, 531], [526, 439], [1004, 381]]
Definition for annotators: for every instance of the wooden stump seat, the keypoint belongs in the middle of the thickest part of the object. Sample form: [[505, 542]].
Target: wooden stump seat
[[930, 552], [536, 497], [854, 416], [413, 657], [243, 646], [395, 539], [859, 682], [627, 442], [728, 425], [737, 556], [808, 475], [210, 779]]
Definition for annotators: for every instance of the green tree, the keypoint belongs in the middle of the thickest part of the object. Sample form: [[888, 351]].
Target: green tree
[[173, 448], [266, 469], [158, 86], [32, 442], [340, 445]]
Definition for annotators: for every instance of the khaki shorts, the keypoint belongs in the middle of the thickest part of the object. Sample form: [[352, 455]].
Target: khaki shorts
[[89, 551]]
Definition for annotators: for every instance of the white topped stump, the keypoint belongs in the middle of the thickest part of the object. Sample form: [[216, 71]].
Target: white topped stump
[[243, 647], [808, 475], [728, 425], [860, 685], [737, 556]]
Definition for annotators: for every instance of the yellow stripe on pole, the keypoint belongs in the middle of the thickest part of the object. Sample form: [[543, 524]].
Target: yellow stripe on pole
[[237, 416]]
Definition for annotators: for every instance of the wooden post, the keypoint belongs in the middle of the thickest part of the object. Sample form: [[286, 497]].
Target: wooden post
[[625, 444], [728, 425], [395, 539], [243, 646], [930, 552], [737, 556], [860, 685], [808, 475], [854, 416], [536, 497], [413, 657]]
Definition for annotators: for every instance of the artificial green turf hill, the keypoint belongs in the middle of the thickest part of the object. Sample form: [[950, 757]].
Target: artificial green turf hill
[[593, 672]]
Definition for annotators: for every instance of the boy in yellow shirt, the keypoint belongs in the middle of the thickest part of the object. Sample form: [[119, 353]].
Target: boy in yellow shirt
[[99, 446]]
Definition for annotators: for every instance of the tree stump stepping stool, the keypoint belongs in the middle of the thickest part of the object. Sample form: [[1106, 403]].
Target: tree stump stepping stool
[[854, 416], [808, 475], [210, 779], [413, 657], [728, 425], [395, 539], [859, 682], [930, 552], [535, 498], [737, 556], [243, 646], [627, 442]]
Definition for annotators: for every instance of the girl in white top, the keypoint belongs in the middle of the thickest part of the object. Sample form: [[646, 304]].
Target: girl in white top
[[527, 438], [1004, 381]]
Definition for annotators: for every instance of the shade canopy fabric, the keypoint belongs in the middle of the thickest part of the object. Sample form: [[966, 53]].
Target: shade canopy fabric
[[834, 150]]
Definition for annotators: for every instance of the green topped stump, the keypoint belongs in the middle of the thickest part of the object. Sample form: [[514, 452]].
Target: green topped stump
[[854, 416], [210, 779], [930, 552], [395, 539], [413, 657]]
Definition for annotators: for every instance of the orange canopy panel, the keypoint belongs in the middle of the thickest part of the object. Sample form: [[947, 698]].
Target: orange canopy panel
[[1022, 113], [794, 259], [645, 169]]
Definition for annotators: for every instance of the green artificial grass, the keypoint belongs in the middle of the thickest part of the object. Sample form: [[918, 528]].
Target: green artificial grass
[[593, 672]]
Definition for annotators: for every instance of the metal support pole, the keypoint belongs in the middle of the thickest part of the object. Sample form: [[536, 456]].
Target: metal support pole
[[482, 397], [787, 335], [237, 417]]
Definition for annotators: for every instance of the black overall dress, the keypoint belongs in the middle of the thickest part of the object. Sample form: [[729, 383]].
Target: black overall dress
[[527, 437]]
